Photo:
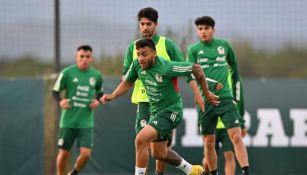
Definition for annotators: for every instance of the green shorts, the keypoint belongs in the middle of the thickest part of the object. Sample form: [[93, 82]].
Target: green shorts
[[165, 123], [67, 136], [222, 138], [228, 112], [142, 116]]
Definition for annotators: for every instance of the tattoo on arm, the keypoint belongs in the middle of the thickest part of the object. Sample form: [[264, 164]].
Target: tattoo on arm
[[200, 77]]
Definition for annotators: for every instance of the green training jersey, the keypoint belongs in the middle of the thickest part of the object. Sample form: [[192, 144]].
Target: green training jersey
[[165, 48], [215, 58], [159, 83], [81, 87]]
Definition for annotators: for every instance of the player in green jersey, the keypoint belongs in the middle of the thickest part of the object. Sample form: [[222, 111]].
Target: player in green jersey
[[222, 138], [83, 88], [166, 111], [167, 49], [216, 57]]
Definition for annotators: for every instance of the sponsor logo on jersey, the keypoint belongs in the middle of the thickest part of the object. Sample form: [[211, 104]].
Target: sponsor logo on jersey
[[159, 78], [202, 60], [92, 81], [143, 72], [201, 52], [75, 80], [221, 50], [155, 122]]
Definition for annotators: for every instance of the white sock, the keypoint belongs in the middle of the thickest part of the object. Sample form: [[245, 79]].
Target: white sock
[[139, 171], [185, 166]]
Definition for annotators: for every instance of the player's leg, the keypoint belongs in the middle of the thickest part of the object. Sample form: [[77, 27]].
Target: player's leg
[[207, 122], [61, 159], [142, 118], [85, 143], [230, 118], [142, 143], [240, 149], [160, 165], [228, 151], [164, 124], [66, 139]]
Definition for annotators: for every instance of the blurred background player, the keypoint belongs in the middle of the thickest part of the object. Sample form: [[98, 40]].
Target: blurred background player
[[216, 58], [83, 88], [222, 139], [166, 49]]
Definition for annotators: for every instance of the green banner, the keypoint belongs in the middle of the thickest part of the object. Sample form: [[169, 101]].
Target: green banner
[[21, 127]]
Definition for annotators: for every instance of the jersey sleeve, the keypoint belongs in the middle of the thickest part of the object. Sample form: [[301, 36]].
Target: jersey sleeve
[[173, 51], [99, 84], [176, 69], [128, 59], [232, 62], [132, 75], [60, 83]]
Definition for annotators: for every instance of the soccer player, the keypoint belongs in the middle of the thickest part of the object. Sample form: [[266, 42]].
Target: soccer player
[[222, 138], [83, 86], [215, 57], [157, 76], [166, 49]]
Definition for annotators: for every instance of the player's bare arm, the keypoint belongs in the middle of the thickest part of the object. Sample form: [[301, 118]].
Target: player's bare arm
[[201, 78], [198, 98], [121, 89]]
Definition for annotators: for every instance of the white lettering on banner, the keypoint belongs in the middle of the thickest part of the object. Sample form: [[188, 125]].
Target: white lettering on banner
[[270, 124], [299, 117], [191, 137], [270, 131], [247, 139]]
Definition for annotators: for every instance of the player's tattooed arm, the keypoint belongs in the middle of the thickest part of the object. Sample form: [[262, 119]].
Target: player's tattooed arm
[[201, 78]]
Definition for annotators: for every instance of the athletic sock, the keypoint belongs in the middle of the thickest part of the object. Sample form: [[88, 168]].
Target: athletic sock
[[140, 171], [74, 172], [185, 166], [214, 172], [245, 170]]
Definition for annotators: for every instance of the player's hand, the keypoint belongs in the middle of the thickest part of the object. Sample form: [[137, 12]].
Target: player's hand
[[212, 98], [65, 103], [200, 102], [94, 104], [105, 98], [243, 132], [219, 86]]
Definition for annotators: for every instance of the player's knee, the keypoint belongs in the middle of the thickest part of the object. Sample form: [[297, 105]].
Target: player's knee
[[86, 153], [229, 156], [236, 138], [139, 142]]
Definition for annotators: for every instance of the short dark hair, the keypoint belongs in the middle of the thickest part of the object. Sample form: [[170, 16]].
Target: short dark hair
[[145, 42], [85, 48], [149, 13], [205, 20]]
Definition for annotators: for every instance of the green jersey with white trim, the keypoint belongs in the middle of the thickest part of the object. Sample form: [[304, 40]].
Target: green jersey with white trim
[[215, 58], [159, 81], [81, 87]]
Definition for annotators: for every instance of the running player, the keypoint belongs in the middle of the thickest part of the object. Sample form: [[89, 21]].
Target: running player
[[165, 104]]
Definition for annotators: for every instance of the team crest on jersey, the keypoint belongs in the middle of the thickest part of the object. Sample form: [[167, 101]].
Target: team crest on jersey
[[143, 72], [221, 50], [92, 81], [159, 78]]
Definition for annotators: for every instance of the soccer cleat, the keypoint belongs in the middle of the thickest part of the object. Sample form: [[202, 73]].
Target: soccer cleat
[[196, 170]]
